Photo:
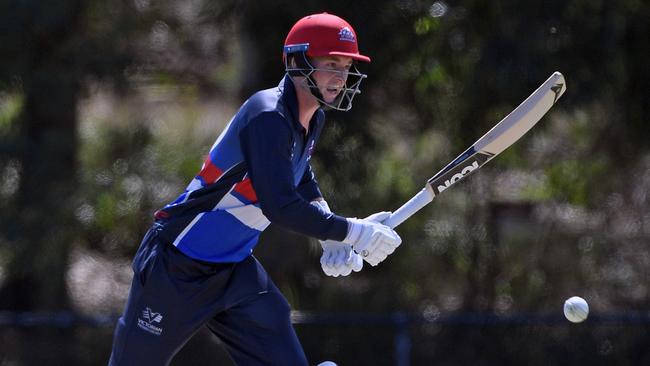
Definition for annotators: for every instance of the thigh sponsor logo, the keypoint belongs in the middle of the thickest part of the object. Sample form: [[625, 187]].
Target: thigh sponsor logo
[[148, 321]]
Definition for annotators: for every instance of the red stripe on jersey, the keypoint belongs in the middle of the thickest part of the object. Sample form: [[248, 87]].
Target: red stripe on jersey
[[209, 172], [160, 214], [245, 188]]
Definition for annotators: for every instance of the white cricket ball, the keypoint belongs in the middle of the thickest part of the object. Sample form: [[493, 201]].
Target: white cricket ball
[[576, 309], [326, 363]]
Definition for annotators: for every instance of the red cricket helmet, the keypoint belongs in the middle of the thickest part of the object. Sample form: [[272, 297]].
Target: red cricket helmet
[[327, 35], [320, 35]]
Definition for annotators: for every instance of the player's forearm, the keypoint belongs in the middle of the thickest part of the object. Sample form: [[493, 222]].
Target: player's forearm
[[301, 217]]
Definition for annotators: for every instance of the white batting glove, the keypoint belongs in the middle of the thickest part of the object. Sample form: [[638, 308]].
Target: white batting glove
[[374, 241], [338, 258]]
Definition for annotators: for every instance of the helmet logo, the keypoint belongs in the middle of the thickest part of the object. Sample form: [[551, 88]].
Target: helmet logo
[[345, 34]]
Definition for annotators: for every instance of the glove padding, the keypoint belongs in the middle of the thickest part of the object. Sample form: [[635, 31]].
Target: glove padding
[[339, 259], [373, 240]]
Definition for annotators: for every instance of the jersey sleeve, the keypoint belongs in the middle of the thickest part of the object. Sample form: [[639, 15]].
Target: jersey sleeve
[[266, 143], [308, 187]]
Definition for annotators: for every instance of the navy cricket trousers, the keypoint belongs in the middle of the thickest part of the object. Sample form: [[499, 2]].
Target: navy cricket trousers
[[172, 296]]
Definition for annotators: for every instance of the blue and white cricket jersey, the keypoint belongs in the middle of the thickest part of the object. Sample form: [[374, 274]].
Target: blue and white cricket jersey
[[257, 172]]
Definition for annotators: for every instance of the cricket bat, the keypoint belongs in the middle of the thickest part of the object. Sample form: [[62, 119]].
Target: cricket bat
[[500, 137]]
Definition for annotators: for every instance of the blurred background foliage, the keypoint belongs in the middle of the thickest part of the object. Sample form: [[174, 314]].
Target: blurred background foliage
[[108, 107]]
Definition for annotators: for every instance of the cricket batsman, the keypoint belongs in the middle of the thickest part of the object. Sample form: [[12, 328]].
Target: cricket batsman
[[195, 265]]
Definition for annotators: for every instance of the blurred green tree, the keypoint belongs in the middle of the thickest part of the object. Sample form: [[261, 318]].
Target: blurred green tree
[[53, 49]]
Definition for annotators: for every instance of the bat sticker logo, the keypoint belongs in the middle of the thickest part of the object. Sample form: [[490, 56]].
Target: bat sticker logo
[[458, 176]]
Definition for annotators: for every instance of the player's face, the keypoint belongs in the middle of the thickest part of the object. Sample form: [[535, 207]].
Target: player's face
[[331, 75]]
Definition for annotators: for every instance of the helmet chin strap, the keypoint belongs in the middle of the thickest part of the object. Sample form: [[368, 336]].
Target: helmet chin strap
[[312, 86], [302, 63], [315, 91]]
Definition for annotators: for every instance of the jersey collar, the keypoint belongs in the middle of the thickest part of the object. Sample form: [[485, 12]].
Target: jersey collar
[[290, 100]]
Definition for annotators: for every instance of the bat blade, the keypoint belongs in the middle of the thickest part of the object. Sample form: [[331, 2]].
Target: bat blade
[[505, 133]]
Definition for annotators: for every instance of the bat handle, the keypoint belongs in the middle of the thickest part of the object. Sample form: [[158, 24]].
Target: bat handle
[[412, 206]]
